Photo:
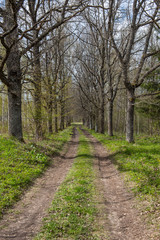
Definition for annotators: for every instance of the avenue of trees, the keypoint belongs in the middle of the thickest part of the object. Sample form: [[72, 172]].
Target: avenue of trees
[[63, 61]]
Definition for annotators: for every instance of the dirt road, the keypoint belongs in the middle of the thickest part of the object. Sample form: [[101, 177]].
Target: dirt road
[[124, 220], [25, 219]]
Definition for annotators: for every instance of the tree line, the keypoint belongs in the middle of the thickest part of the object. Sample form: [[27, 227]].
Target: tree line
[[117, 55], [56, 56], [27, 29]]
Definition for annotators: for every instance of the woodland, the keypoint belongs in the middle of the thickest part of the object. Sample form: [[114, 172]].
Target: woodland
[[80, 119], [91, 61]]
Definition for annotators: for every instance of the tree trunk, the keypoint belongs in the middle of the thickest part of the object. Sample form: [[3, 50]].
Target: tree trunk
[[37, 71], [62, 115], [97, 129], [87, 122], [102, 115], [14, 110], [3, 113], [55, 105], [14, 94], [56, 116], [37, 92], [68, 121], [102, 93], [50, 107], [50, 96], [130, 116], [14, 77], [110, 118], [92, 121], [138, 125], [50, 122]]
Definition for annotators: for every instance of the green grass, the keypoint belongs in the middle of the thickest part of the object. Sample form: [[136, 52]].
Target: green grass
[[54, 143], [21, 163], [73, 210], [141, 164]]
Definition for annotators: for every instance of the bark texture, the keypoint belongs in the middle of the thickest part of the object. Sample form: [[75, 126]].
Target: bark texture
[[110, 118], [14, 76], [37, 71], [130, 116], [50, 113], [62, 115], [37, 92]]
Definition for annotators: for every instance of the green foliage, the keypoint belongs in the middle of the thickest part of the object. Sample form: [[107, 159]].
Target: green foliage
[[73, 210], [151, 86], [150, 107], [21, 163], [140, 162]]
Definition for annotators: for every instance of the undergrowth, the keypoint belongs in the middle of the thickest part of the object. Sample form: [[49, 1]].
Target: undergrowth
[[21, 163], [73, 210], [140, 162], [54, 143]]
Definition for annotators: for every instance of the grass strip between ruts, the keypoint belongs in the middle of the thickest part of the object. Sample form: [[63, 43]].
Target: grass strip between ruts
[[140, 162], [21, 163], [73, 210]]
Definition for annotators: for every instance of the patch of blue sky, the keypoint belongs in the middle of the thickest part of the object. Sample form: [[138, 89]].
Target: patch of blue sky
[[2, 3], [125, 11]]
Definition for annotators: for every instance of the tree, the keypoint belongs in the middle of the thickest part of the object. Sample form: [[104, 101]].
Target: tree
[[135, 47], [10, 41], [100, 62], [149, 105], [86, 77], [55, 77]]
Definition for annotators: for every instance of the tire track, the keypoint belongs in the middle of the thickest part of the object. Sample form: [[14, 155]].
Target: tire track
[[124, 221], [25, 219]]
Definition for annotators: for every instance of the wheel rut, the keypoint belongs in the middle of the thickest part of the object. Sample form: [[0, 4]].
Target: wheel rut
[[124, 221], [23, 222]]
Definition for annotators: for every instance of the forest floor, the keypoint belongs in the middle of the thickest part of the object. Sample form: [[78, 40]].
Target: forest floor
[[118, 204]]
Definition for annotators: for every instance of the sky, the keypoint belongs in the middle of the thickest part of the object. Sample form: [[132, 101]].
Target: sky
[[2, 3]]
